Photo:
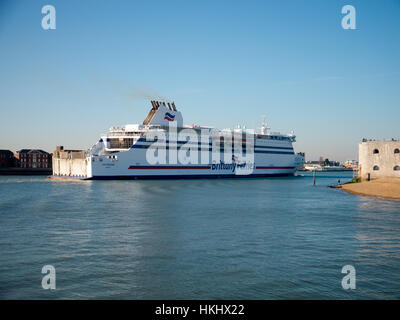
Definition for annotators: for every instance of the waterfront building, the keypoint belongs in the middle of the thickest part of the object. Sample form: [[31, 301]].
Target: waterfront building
[[33, 158], [379, 159], [6, 159], [351, 164]]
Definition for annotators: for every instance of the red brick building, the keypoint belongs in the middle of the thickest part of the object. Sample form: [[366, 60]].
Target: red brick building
[[33, 158], [6, 159]]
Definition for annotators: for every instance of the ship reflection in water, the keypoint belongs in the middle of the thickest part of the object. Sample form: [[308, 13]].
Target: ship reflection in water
[[275, 238]]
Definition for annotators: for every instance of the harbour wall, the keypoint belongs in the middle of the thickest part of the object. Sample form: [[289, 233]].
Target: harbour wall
[[69, 164], [25, 171]]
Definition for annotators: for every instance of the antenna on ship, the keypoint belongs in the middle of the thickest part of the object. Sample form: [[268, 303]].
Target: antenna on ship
[[263, 127]]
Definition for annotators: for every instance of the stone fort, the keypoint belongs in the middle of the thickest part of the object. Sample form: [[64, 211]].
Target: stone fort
[[378, 159]]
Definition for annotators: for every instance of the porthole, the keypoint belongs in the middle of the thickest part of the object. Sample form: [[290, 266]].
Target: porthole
[[376, 168]]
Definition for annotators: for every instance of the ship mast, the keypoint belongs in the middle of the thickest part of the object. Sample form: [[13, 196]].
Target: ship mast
[[264, 127]]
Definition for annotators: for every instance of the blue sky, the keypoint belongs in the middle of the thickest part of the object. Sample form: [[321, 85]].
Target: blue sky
[[223, 63]]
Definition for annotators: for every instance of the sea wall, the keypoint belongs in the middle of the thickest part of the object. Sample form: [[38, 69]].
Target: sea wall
[[25, 171], [69, 164], [379, 159]]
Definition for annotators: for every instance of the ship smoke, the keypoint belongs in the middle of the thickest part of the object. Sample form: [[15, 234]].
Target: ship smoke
[[148, 94]]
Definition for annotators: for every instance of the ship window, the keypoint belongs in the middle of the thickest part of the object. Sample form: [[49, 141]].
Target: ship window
[[396, 168], [376, 168], [376, 151], [121, 143], [396, 151]]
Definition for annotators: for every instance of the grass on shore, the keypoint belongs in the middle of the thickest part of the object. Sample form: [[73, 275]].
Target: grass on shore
[[355, 180], [339, 186]]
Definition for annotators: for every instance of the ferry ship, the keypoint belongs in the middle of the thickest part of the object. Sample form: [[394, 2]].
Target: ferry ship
[[162, 147]]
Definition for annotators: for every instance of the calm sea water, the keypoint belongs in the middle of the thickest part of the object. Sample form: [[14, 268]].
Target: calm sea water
[[275, 238]]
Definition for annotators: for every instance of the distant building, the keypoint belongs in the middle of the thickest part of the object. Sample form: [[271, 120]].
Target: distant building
[[6, 159], [312, 162], [33, 158], [379, 159], [351, 164]]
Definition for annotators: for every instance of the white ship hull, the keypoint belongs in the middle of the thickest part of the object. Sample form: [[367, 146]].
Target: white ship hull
[[270, 159]]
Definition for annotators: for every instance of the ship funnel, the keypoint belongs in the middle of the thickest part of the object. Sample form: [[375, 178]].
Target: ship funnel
[[163, 113]]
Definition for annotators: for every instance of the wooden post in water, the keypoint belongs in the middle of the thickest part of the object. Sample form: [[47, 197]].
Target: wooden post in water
[[314, 175]]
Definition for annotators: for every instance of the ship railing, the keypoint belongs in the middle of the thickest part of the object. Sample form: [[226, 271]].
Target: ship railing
[[122, 133]]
